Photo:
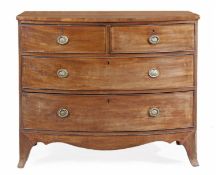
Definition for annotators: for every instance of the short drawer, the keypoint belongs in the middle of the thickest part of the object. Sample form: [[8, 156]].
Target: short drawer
[[107, 112], [107, 74], [63, 39], [152, 38]]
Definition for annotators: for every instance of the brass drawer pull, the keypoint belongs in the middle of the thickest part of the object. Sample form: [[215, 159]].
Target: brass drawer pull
[[154, 112], [153, 73], [154, 39], [62, 39], [62, 73], [62, 113]]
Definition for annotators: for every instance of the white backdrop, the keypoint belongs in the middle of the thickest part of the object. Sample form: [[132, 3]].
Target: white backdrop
[[155, 158]]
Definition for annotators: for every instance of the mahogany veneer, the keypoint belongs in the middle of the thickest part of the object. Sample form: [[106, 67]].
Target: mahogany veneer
[[108, 80]]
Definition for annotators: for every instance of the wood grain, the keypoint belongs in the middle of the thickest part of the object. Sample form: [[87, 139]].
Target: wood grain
[[107, 55], [106, 16], [106, 142], [114, 142], [82, 39], [134, 39], [108, 74], [107, 113], [108, 91], [25, 147], [190, 146]]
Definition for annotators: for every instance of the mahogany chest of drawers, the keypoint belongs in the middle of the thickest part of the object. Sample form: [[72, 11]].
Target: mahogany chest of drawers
[[107, 80]]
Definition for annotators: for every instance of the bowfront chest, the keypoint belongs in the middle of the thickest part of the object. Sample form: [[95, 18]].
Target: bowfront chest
[[107, 80]]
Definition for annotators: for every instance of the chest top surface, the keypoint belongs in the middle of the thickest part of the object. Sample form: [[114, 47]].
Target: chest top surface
[[106, 16]]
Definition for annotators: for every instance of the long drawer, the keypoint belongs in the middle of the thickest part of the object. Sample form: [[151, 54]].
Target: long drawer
[[107, 112], [107, 74], [152, 38]]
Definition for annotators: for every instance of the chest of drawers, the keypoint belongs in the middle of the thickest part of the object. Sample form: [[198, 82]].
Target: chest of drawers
[[107, 80]]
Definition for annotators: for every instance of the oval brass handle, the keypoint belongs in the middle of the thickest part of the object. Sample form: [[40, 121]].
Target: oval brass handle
[[153, 73], [62, 112], [62, 39], [154, 39], [154, 112], [62, 73]]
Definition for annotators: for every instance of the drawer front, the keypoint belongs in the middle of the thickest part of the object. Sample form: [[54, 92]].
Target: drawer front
[[107, 74], [164, 38], [63, 39], [107, 113]]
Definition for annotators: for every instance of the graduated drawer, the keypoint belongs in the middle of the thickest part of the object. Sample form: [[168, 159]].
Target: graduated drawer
[[63, 39], [107, 112], [152, 38], [107, 74]]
